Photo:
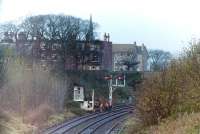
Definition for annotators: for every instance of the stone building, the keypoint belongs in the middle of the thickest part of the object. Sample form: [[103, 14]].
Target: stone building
[[89, 55], [96, 55], [129, 57]]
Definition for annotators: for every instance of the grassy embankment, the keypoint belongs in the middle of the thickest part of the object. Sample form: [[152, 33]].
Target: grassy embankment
[[15, 124]]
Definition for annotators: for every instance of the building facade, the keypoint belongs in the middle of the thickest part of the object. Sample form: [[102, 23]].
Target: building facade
[[129, 57], [88, 55]]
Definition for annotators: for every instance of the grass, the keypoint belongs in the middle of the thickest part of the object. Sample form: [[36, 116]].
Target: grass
[[131, 125], [12, 124], [184, 124], [58, 118], [195, 130]]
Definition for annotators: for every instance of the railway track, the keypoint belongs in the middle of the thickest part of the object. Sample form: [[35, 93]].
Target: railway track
[[94, 126], [90, 123], [58, 126], [116, 127]]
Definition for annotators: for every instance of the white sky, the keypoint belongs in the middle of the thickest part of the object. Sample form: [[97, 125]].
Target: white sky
[[167, 25]]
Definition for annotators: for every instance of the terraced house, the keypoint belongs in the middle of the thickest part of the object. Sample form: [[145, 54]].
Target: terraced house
[[87, 55], [93, 55]]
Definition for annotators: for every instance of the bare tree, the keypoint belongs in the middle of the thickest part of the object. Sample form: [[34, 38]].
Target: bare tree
[[10, 31], [34, 26], [159, 59], [68, 31], [50, 29]]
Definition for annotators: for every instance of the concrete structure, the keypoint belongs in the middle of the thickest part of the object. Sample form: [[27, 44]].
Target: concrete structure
[[79, 96], [79, 93], [125, 56]]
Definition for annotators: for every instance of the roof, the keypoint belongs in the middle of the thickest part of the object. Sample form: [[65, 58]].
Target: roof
[[124, 47]]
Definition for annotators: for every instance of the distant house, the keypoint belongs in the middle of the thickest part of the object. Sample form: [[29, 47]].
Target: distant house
[[129, 57]]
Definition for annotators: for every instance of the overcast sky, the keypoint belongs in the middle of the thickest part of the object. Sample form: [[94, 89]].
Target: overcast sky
[[159, 24]]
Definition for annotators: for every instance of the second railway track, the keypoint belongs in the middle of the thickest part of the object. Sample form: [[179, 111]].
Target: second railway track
[[89, 123]]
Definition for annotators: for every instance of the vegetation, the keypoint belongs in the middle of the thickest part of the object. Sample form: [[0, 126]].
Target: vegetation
[[36, 94], [12, 124], [2, 69], [51, 29], [159, 59], [171, 94], [95, 80], [183, 124]]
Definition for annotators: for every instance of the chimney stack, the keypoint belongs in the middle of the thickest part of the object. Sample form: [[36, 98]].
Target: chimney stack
[[135, 43], [107, 37]]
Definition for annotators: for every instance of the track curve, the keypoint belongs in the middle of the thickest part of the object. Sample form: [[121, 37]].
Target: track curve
[[90, 123]]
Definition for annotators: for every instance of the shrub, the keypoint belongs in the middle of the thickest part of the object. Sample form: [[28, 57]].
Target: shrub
[[156, 102], [3, 118], [39, 115], [74, 107], [173, 90]]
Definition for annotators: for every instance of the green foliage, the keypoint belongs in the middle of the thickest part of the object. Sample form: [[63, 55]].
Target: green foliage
[[90, 80], [72, 104], [74, 107], [132, 78], [195, 130], [95, 80], [121, 94], [5, 54]]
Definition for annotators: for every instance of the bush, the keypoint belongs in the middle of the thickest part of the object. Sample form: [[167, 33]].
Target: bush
[[172, 91], [155, 101], [72, 104], [74, 107], [40, 115], [3, 118]]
